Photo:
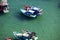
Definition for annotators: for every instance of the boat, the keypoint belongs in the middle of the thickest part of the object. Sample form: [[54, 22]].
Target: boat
[[4, 6], [31, 13], [24, 36]]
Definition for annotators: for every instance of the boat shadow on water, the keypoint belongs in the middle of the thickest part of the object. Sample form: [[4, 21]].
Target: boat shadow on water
[[58, 5], [1, 13]]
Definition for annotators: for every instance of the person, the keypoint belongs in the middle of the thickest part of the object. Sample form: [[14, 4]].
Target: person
[[27, 7], [26, 34], [8, 38]]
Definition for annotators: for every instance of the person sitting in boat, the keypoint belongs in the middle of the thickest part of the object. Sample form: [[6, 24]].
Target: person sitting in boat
[[27, 7]]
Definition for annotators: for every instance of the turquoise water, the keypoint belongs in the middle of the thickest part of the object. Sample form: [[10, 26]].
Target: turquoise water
[[46, 26]]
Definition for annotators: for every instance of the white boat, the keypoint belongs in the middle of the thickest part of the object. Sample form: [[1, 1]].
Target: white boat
[[25, 13], [19, 35], [32, 12]]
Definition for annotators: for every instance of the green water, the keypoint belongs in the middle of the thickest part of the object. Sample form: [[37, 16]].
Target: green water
[[46, 26]]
